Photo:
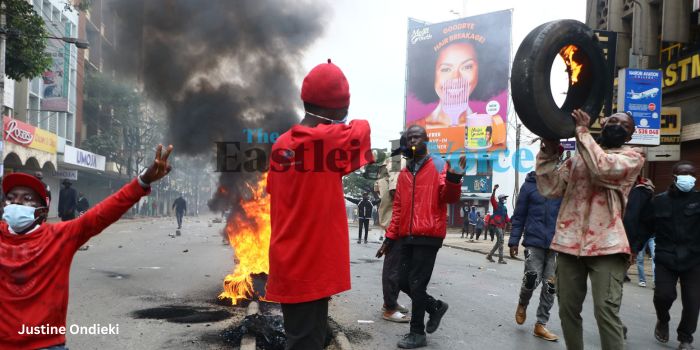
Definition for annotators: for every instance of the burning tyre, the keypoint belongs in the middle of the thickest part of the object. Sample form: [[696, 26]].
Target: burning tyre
[[530, 78]]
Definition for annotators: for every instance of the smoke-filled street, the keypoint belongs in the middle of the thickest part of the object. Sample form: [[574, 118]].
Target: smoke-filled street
[[161, 291]]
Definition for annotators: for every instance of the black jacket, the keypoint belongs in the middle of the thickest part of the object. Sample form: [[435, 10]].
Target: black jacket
[[180, 205], [67, 201], [364, 207], [638, 199], [674, 217], [83, 205]]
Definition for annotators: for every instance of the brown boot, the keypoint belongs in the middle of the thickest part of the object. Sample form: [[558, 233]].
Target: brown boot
[[520, 314], [544, 333]]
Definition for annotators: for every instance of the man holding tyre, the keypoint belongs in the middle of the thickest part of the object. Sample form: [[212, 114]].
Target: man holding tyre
[[590, 236]]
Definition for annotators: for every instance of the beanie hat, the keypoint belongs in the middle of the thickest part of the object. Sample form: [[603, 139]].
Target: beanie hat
[[326, 86]]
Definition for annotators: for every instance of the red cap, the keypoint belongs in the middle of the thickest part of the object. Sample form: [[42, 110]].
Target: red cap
[[326, 86], [13, 180]]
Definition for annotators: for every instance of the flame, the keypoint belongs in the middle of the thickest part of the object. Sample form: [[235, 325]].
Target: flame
[[249, 235], [573, 67]]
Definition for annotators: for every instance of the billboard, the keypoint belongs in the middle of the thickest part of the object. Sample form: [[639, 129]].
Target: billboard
[[457, 82], [639, 92]]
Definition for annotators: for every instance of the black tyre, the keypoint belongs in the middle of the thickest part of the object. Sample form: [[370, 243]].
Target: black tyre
[[530, 87]]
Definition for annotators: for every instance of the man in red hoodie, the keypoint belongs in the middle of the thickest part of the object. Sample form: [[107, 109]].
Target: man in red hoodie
[[309, 244], [419, 219], [35, 256]]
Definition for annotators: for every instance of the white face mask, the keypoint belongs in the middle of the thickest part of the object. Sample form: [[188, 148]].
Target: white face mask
[[685, 183], [19, 217]]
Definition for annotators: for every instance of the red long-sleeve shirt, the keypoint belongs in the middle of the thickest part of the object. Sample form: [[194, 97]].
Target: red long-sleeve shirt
[[34, 270]]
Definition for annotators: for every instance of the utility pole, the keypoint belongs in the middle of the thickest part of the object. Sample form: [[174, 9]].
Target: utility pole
[[3, 38], [516, 188]]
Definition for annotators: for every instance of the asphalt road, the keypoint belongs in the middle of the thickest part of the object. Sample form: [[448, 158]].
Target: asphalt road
[[482, 298], [161, 291]]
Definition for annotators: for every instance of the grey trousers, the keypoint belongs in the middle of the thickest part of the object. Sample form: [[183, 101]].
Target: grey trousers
[[540, 266], [499, 243], [390, 275]]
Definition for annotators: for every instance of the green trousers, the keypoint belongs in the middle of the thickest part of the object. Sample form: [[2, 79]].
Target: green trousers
[[607, 275]]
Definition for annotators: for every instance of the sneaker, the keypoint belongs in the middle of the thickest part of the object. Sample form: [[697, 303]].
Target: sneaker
[[412, 341], [489, 258], [642, 284], [661, 332], [520, 314], [359, 241], [502, 262], [686, 346], [399, 308], [627, 278], [435, 317], [365, 241], [544, 333]]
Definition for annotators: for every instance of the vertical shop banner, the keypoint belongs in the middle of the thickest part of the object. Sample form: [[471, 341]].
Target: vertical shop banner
[[639, 92], [457, 82], [55, 79]]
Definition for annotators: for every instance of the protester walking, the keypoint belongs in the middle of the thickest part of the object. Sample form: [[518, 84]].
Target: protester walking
[[180, 207], [674, 217], [419, 221], [487, 226], [590, 237], [479, 225], [639, 197], [535, 219]]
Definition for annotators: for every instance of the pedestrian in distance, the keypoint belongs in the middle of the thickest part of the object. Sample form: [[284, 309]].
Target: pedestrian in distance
[[365, 208], [487, 226], [590, 237], [479, 225], [640, 195], [419, 221], [36, 255], [472, 222], [67, 201], [499, 219], [534, 220], [83, 205], [309, 252], [180, 207], [674, 217]]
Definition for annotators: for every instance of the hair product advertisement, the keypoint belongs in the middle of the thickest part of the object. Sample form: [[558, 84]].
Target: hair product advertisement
[[457, 82]]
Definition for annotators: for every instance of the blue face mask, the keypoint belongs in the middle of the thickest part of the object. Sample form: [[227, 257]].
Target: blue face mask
[[685, 183], [333, 122], [19, 217]]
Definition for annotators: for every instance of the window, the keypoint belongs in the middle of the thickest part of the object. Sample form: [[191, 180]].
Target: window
[[33, 110], [70, 127], [62, 125]]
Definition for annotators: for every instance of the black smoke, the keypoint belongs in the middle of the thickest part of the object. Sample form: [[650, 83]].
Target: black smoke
[[218, 67]]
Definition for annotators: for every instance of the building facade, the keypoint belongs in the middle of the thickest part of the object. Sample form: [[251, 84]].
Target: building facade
[[665, 35]]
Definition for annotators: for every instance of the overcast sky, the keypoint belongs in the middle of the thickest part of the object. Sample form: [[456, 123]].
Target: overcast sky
[[367, 40]]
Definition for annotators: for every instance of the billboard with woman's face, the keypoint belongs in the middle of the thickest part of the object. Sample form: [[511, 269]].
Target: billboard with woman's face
[[457, 82]]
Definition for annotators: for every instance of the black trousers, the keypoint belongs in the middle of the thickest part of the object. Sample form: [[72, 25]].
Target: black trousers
[[390, 276], [665, 295], [417, 262], [306, 324], [364, 222], [178, 216]]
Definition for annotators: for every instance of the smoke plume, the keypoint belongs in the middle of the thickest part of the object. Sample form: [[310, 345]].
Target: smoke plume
[[218, 67]]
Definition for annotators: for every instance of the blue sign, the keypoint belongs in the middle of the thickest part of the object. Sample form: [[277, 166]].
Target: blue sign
[[476, 184], [639, 92]]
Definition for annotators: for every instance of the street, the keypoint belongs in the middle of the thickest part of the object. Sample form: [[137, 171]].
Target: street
[[161, 291]]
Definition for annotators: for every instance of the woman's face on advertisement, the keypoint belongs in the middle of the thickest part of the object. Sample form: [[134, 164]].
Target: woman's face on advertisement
[[454, 62]]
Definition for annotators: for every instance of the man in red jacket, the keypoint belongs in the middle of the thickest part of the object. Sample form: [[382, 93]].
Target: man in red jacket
[[419, 219], [35, 256], [309, 245]]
